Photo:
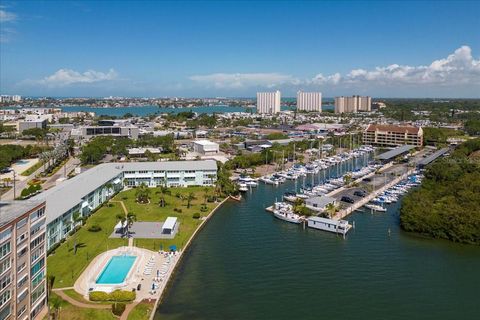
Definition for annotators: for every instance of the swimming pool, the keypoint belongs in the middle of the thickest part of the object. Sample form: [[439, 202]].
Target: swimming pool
[[116, 270]]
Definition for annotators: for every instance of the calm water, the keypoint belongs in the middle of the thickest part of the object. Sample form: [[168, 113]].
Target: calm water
[[245, 264], [149, 110]]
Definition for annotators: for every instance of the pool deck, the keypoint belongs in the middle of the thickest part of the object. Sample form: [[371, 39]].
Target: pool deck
[[136, 275]]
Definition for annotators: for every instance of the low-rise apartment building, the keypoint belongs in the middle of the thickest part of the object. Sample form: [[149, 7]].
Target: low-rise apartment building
[[22, 259], [87, 191], [392, 135]]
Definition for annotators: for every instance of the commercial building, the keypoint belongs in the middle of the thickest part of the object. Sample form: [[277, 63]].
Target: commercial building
[[309, 101], [22, 259], [33, 121], [392, 136], [87, 191], [268, 102], [352, 104], [7, 98], [205, 147], [88, 132]]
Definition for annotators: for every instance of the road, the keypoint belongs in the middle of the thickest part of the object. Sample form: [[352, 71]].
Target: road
[[20, 185]]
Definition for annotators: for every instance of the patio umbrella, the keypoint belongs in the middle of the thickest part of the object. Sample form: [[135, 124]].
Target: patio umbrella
[[158, 273], [153, 286]]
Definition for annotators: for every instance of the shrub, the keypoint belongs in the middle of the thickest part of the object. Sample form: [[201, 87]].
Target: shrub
[[99, 296], [95, 228], [118, 308], [196, 215], [121, 295]]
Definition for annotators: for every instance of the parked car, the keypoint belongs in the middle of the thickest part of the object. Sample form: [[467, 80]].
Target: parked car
[[360, 193], [347, 199], [367, 179], [5, 170]]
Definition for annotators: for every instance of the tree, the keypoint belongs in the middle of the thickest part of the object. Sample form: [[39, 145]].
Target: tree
[[76, 217], [50, 282], [330, 209], [347, 179], [130, 219], [190, 197], [122, 218], [55, 303], [142, 194]]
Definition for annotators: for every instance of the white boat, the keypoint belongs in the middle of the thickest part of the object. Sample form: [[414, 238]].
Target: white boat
[[288, 216], [242, 187], [375, 207]]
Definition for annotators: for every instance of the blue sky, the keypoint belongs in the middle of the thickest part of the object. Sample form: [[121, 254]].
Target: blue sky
[[95, 48]]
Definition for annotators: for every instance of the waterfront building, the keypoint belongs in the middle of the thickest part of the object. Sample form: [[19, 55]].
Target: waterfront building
[[22, 259], [87, 191], [319, 203], [392, 135], [268, 102], [353, 104], [87, 132], [309, 101], [205, 147]]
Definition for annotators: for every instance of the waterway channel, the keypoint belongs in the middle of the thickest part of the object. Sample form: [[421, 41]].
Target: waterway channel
[[245, 264]]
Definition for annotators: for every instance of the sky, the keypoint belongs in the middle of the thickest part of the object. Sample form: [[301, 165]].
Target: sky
[[234, 49]]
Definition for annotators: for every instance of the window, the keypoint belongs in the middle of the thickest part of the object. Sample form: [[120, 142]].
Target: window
[[5, 281], [22, 281], [5, 312], [37, 241], [21, 311], [38, 278], [37, 293], [5, 235], [4, 297], [5, 265], [36, 228], [37, 266], [21, 266], [37, 253], [21, 238], [22, 222], [4, 249], [37, 214], [22, 252]]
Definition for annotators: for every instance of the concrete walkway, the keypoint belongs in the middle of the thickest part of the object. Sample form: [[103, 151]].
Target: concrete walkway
[[128, 308], [81, 304]]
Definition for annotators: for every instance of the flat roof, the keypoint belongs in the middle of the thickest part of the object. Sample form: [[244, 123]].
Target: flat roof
[[205, 143], [434, 156], [71, 192], [169, 223], [10, 210], [395, 152]]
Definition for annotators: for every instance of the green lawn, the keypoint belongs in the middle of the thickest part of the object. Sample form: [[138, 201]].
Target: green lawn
[[67, 266], [141, 311], [71, 312]]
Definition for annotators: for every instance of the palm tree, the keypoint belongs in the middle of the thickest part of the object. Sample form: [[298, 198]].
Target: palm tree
[[121, 217], [50, 282], [331, 209], [55, 303], [205, 195], [190, 197], [76, 217], [347, 179], [142, 194], [131, 218]]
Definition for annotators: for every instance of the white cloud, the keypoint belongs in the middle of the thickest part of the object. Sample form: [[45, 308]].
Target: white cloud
[[242, 80], [66, 77], [6, 16], [458, 68]]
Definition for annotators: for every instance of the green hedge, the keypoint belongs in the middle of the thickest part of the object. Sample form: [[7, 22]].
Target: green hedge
[[117, 295]]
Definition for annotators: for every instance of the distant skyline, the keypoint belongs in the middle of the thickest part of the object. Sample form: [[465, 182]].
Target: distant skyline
[[234, 49]]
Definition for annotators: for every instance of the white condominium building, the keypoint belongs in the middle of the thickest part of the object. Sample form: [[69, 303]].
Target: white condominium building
[[309, 101], [352, 104], [268, 102]]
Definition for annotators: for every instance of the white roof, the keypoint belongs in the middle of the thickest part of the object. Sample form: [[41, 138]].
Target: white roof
[[205, 143], [169, 223]]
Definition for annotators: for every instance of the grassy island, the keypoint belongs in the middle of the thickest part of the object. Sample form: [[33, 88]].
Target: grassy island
[[447, 204]]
